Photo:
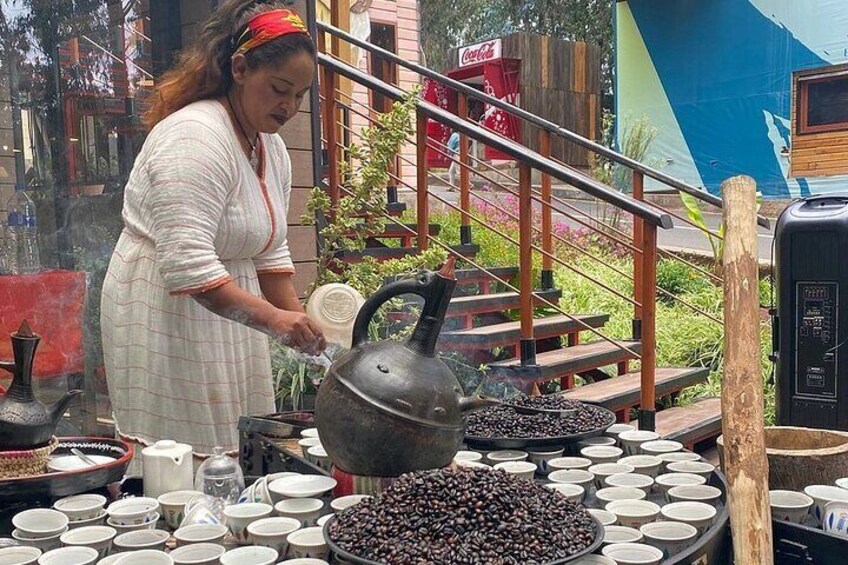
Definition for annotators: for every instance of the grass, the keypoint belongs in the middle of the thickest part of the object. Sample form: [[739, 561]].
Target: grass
[[684, 337]]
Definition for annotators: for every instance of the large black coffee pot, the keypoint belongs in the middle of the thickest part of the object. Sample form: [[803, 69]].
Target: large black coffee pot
[[25, 423], [387, 408]]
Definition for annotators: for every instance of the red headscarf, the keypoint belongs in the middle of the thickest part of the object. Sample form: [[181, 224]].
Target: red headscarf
[[266, 27]]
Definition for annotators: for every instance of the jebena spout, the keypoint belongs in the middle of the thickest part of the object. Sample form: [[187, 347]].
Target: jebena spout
[[57, 410]]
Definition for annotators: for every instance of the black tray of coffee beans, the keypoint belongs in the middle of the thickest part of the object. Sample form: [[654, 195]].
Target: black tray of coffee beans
[[501, 427], [464, 517]]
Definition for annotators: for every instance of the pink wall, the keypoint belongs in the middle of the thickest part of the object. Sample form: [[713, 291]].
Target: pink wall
[[404, 15]]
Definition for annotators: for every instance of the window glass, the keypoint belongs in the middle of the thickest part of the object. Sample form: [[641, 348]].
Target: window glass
[[75, 76]]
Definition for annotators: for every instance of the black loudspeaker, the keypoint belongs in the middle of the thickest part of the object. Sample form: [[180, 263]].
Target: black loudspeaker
[[811, 275]]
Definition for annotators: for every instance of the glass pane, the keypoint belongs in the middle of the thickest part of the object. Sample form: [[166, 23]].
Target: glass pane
[[75, 76], [827, 102]]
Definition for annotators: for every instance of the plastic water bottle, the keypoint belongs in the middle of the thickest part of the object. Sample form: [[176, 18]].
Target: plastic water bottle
[[24, 224], [10, 247]]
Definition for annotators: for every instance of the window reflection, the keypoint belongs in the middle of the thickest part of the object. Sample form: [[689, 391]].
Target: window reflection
[[75, 77]]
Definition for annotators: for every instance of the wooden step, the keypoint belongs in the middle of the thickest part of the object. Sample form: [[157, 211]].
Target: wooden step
[[393, 230], [386, 252], [469, 276], [622, 393], [566, 361], [496, 302], [691, 423], [509, 333]]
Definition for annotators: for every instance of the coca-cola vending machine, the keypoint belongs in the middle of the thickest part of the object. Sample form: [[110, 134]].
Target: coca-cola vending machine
[[484, 67]]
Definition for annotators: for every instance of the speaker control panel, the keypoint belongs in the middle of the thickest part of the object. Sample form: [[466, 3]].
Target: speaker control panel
[[816, 334]]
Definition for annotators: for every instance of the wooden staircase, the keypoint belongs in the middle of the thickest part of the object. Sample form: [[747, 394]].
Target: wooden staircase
[[495, 317]]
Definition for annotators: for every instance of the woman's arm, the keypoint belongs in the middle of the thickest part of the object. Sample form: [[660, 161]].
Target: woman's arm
[[278, 289], [293, 328]]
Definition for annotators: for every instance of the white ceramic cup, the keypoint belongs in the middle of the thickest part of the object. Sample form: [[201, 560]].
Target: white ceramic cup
[[44, 544], [250, 555], [198, 554], [617, 429], [611, 494], [142, 539], [697, 514], [666, 481], [574, 493], [40, 522], [594, 560], [633, 513], [602, 453], [300, 486], [604, 470], [200, 533], [669, 537], [342, 503], [821, 495], [659, 446], [67, 555], [81, 506], [145, 557], [621, 534], [674, 456], [520, 469], [541, 457], [308, 542], [631, 440], [602, 516], [596, 441], [695, 467], [173, 505], [305, 510], [133, 511], [272, 532], [789, 505], [580, 477], [19, 555], [633, 554], [643, 464], [836, 518], [504, 455], [695, 493], [468, 456], [239, 516], [95, 537], [306, 443], [634, 480], [565, 463]]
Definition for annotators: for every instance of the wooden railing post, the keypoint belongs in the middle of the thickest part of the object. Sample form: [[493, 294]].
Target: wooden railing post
[[547, 276], [464, 177], [647, 408], [638, 257], [329, 85], [525, 263], [422, 196]]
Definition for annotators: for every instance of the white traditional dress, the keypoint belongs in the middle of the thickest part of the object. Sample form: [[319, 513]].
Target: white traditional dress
[[196, 215]]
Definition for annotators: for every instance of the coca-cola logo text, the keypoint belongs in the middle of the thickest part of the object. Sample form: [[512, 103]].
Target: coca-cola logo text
[[479, 53]]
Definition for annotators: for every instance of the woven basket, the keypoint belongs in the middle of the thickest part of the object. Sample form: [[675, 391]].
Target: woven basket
[[26, 463]]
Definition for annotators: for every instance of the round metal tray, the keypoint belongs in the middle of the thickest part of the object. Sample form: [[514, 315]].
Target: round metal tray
[[56, 485], [520, 443], [349, 557]]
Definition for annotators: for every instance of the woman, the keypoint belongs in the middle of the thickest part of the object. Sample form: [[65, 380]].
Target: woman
[[202, 273]]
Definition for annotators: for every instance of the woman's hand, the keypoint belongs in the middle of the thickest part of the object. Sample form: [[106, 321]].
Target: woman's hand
[[296, 330]]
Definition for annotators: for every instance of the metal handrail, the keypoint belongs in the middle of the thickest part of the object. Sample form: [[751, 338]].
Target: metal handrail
[[506, 146], [535, 120]]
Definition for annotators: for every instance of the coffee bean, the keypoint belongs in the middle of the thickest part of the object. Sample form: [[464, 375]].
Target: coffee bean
[[439, 517], [505, 422]]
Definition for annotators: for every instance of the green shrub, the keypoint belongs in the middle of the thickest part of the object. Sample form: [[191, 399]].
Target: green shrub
[[677, 278]]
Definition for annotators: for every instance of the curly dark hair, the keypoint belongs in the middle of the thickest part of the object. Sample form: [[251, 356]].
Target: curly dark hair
[[203, 70]]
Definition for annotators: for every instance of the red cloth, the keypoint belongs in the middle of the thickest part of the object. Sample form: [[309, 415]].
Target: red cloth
[[54, 304]]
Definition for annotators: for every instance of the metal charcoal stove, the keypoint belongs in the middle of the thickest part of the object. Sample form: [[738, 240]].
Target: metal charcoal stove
[[797, 544], [268, 444]]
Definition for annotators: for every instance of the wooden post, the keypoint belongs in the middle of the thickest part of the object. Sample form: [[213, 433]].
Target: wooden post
[[422, 194], [525, 261], [746, 465], [464, 177], [648, 329], [547, 277], [638, 257]]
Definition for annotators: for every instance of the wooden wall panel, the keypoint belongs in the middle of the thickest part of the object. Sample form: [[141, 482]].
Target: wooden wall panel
[[302, 243], [297, 133], [297, 205], [302, 176], [304, 275]]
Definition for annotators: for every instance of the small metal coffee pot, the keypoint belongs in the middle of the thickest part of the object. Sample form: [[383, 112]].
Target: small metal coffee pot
[[387, 408]]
